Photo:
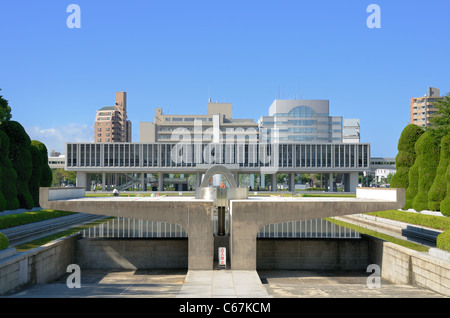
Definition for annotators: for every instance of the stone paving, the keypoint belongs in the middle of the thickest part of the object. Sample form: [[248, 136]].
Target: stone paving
[[221, 284]]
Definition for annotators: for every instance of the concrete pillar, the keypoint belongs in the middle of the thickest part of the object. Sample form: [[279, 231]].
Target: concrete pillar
[[103, 181], [143, 183], [291, 182], [351, 182], [236, 178], [331, 182], [273, 182], [82, 180], [252, 181], [161, 181], [199, 180], [262, 181]]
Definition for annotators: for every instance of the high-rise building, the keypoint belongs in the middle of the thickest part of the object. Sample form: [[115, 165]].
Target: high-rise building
[[306, 121], [111, 122], [422, 108], [217, 125]]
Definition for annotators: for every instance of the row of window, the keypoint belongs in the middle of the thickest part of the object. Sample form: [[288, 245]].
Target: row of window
[[245, 155]]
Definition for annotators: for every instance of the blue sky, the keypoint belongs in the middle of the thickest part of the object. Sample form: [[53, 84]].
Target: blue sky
[[177, 54]]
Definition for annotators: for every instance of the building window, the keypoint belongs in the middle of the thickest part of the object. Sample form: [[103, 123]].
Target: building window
[[99, 129], [177, 119]]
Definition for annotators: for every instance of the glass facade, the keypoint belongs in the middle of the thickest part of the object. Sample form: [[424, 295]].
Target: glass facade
[[294, 121], [243, 155]]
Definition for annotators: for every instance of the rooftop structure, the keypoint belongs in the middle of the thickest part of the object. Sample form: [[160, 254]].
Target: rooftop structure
[[300, 120], [216, 125]]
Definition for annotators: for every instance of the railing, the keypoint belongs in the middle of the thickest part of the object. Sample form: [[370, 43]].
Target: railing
[[133, 228]]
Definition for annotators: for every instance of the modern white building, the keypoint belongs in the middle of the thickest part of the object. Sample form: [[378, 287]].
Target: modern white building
[[351, 132], [217, 125], [300, 120]]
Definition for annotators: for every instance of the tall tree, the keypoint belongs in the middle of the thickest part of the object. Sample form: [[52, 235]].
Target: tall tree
[[428, 158], [20, 156], [438, 191], [406, 155], [440, 122], [5, 110], [8, 175]]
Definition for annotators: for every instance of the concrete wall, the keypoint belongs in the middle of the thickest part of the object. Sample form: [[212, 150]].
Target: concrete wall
[[37, 266], [131, 253], [400, 265], [313, 254]]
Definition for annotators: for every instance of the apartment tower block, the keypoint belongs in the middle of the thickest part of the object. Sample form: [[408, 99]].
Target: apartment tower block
[[111, 122]]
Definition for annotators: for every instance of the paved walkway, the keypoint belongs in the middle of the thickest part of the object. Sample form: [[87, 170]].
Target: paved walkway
[[221, 284]]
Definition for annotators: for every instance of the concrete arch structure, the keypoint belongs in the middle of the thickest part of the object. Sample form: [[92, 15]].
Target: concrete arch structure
[[247, 216], [195, 216], [218, 169]]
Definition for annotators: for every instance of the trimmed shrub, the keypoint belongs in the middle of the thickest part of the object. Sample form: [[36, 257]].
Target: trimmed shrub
[[411, 191], [438, 190], [46, 172], [445, 204], [406, 155], [428, 158], [443, 241], [4, 242], [8, 175], [33, 183], [20, 156]]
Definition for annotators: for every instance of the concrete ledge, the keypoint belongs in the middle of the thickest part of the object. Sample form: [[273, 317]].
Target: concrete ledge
[[400, 265], [37, 266]]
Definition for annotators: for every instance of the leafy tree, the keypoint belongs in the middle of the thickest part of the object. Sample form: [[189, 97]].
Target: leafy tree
[[439, 189], [5, 110], [20, 156], [61, 175], [428, 158], [8, 175], [406, 155], [440, 122]]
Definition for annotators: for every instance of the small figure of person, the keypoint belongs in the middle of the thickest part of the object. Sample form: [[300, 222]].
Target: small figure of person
[[115, 192]]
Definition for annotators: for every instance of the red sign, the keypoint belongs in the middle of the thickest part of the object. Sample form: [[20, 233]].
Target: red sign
[[222, 256]]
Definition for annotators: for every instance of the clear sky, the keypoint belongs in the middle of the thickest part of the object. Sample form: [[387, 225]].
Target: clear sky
[[176, 54]]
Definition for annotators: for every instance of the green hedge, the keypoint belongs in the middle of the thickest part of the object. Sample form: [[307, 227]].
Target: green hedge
[[432, 221], [4, 243], [428, 158], [445, 204], [8, 175], [411, 191], [7, 221], [20, 156], [443, 241], [438, 190], [406, 155]]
